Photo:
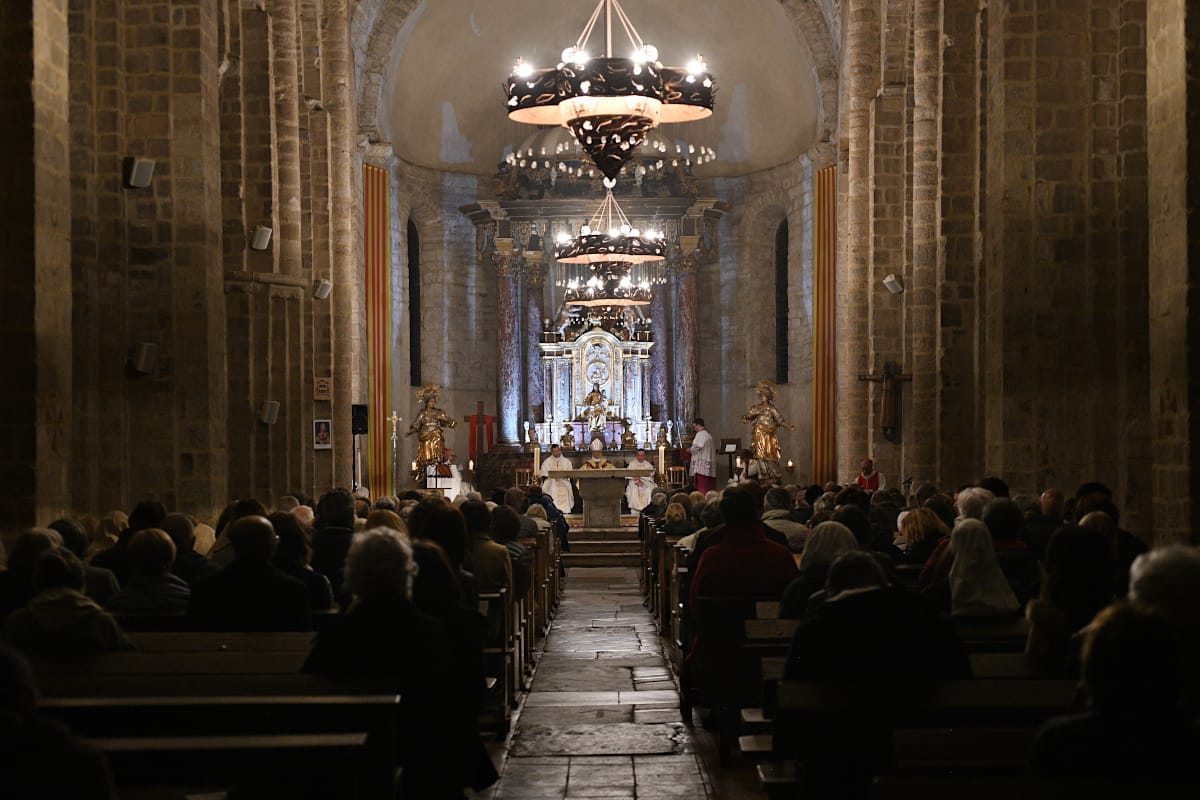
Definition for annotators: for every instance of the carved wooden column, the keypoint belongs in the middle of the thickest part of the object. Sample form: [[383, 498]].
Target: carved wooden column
[[535, 382], [686, 332], [508, 342]]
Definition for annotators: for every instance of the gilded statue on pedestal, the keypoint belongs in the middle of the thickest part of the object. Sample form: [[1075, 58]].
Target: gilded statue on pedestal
[[596, 414], [765, 419], [568, 437], [428, 426]]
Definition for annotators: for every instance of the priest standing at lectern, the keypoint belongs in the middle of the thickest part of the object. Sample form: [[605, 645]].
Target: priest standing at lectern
[[638, 490], [559, 489]]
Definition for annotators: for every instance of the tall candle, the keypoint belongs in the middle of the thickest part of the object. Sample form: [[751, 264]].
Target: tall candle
[[537, 461], [662, 460]]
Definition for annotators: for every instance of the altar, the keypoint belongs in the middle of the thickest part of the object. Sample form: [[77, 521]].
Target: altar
[[602, 490]]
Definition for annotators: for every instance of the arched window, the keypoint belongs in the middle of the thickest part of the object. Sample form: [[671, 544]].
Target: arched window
[[781, 303], [414, 305]]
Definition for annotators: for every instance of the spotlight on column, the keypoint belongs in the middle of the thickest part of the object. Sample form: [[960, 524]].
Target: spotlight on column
[[893, 284], [138, 172], [268, 412], [323, 289], [261, 238]]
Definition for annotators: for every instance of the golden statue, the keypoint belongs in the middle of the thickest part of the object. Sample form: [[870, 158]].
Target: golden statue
[[628, 437], [765, 419], [568, 437], [428, 426]]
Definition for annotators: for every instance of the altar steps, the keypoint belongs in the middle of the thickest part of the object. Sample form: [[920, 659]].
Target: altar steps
[[603, 547]]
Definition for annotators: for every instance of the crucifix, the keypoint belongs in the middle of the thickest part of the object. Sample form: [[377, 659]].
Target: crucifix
[[889, 412]]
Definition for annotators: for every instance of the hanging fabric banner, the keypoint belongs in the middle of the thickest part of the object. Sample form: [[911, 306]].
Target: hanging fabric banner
[[824, 231], [377, 241]]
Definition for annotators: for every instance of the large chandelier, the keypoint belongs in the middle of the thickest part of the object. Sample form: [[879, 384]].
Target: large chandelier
[[609, 103]]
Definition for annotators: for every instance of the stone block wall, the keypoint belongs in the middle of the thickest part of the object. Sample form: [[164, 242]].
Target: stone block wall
[[1002, 173], [35, 410]]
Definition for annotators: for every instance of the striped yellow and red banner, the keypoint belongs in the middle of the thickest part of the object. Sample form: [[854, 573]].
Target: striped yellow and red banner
[[824, 230], [377, 241]]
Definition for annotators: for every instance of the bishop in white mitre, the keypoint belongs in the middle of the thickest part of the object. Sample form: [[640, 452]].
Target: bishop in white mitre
[[638, 489], [559, 489]]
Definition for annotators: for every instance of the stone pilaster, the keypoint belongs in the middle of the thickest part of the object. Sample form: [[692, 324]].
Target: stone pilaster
[[535, 382], [687, 390], [508, 342], [286, 118], [1173, 110], [36, 267]]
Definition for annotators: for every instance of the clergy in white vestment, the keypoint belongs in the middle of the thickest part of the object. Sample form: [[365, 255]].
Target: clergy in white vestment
[[638, 490], [559, 489]]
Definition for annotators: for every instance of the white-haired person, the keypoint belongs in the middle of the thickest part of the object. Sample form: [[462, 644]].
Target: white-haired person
[[384, 642], [1166, 581]]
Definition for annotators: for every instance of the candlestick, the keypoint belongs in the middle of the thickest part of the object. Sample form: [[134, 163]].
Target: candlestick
[[471, 464]]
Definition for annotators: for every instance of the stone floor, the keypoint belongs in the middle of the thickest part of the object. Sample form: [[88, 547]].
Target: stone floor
[[602, 717]]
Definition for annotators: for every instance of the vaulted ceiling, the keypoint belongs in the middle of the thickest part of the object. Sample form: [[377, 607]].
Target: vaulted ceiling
[[442, 105]]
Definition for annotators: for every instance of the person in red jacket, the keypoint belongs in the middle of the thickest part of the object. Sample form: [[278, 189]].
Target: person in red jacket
[[744, 563]]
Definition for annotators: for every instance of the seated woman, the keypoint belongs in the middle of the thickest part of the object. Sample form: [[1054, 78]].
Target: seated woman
[[60, 620], [828, 541], [1078, 585], [976, 587], [1135, 729], [920, 531], [384, 641]]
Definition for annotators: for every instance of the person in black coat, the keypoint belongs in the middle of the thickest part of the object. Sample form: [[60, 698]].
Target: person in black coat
[[867, 632], [250, 594], [331, 540], [1135, 729], [385, 643], [292, 556]]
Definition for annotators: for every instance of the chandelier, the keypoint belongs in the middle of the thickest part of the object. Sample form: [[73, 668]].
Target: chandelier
[[609, 103], [610, 247], [555, 150]]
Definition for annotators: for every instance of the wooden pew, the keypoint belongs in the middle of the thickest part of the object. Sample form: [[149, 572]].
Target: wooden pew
[[198, 641], [500, 655], [331, 765], [983, 725], [312, 707]]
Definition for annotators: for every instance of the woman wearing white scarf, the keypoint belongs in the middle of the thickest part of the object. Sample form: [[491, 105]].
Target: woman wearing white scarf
[[977, 586]]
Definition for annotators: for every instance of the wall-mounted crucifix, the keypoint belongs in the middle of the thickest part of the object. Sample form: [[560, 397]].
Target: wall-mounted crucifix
[[889, 411]]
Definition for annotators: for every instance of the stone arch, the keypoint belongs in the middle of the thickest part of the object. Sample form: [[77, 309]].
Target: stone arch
[[376, 25]]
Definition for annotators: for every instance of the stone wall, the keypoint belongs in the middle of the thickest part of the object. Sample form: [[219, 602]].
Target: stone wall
[[1001, 175], [35, 409]]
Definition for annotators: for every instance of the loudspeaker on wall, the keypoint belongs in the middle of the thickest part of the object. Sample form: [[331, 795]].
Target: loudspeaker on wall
[[138, 172], [358, 418], [323, 289], [144, 355], [261, 238], [268, 412]]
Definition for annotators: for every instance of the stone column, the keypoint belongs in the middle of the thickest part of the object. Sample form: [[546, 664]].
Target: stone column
[[36, 268], [921, 294], [508, 343], [862, 60], [535, 382], [657, 382], [344, 171], [1173, 109], [286, 119], [687, 391]]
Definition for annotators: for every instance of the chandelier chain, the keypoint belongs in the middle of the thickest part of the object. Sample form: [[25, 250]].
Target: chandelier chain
[[608, 6]]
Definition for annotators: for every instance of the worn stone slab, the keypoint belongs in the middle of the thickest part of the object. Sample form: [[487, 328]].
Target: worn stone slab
[[572, 699], [618, 739], [650, 716], [550, 715], [584, 676]]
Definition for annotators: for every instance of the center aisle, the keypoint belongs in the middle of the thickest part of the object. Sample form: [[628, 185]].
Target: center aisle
[[602, 717]]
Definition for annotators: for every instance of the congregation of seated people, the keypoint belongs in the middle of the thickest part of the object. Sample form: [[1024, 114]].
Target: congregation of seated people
[[391, 590], [879, 581]]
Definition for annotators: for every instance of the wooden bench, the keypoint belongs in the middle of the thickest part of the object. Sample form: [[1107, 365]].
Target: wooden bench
[[982, 725], [500, 655], [197, 641], [320, 710], [296, 765]]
